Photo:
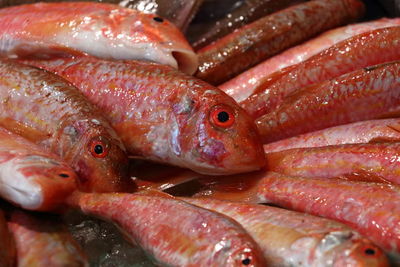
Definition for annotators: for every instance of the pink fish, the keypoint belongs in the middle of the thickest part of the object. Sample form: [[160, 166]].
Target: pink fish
[[246, 83], [164, 115], [43, 241], [290, 238], [378, 162], [371, 209], [355, 133], [363, 94], [101, 30], [32, 178], [360, 51], [174, 232]]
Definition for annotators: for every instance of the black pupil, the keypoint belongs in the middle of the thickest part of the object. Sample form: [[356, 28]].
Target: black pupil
[[98, 149], [223, 116], [63, 175], [246, 261], [370, 251], [158, 19]]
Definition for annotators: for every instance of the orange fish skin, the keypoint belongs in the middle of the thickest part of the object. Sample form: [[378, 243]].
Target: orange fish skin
[[7, 245], [174, 232], [32, 178], [42, 241], [370, 208], [290, 238], [50, 112], [373, 131], [266, 37], [367, 49], [246, 83], [364, 94], [48, 29], [377, 161], [166, 116]]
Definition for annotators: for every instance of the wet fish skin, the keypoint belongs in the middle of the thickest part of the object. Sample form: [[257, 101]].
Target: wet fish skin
[[246, 83], [43, 241], [370, 48], [290, 238], [365, 94], [266, 37], [373, 131], [166, 116], [50, 112], [48, 29], [246, 13], [7, 246], [32, 178], [174, 232], [369, 208], [378, 162]]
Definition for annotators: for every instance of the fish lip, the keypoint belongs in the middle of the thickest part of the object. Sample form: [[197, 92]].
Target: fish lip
[[186, 60]]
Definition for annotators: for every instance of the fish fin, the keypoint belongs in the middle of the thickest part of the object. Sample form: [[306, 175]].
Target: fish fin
[[16, 127], [364, 176], [154, 193], [32, 51]]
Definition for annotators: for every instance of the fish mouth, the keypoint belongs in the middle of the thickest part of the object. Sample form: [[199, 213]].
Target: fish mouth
[[187, 61]]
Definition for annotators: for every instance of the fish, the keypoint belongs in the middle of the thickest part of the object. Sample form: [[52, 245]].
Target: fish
[[172, 231], [364, 94], [245, 13], [46, 30], [7, 245], [378, 162], [372, 209], [31, 177], [166, 116], [373, 131], [266, 37], [50, 112], [290, 238], [246, 83], [361, 51], [44, 241]]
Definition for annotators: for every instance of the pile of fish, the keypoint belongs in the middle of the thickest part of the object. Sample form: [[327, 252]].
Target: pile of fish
[[107, 110]]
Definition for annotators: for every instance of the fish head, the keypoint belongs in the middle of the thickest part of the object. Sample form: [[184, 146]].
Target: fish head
[[98, 157], [348, 248], [37, 182], [160, 41], [239, 251], [218, 136]]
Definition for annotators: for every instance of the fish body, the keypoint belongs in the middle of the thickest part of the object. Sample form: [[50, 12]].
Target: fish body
[[266, 37], [247, 12], [370, 208], [374, 131], [174, 232], [377, 161], [101, 30], [290, 238], [246, 83], [166, 116], [7, 245], [361, 51], [364, 94], [50, 112], [42, 241], [30, 177]]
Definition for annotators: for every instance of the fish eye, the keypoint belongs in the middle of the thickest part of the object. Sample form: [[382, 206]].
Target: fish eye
[[246, 261], [369, 251], [98, 148], [222, 116], [64, 175], [158, 19]]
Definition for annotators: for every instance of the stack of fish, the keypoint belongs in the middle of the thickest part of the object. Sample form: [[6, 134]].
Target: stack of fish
[[90, 93]]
